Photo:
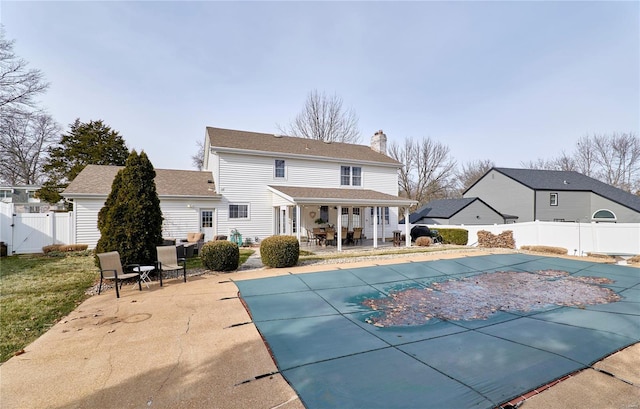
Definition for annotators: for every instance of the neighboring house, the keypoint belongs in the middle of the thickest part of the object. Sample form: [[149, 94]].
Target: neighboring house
[[548, 195], [24, 199], [262, 185], [467, 211], [187, 200]]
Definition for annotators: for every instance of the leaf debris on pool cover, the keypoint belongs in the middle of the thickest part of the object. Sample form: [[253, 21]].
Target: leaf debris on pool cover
[[477, 297]]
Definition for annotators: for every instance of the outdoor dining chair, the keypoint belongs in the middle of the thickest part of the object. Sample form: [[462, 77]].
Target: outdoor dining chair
[[331, 237], [357, 235], [168, 261], [111, 269]]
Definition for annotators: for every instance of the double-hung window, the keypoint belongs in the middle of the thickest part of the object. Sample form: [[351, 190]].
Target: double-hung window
[[553, 199], [350, 176], [278, 169], [238, 211], [386, 214]]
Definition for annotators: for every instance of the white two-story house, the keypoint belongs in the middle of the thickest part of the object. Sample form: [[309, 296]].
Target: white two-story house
[[273, 184], [262, 185]]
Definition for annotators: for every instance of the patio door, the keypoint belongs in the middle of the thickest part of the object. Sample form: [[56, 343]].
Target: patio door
[[206, 223]]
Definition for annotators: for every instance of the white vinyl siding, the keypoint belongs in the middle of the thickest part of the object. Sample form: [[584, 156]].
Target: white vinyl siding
[[244, 179], [86, 214], [180, 216]]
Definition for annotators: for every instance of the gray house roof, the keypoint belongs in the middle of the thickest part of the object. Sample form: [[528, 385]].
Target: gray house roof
[[557, 180], [229, 140], [444, 209], [96, 180]]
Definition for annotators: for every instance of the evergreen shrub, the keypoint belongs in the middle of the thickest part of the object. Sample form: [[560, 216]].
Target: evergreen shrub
[[131, 220], [280, 251], [220, 255], [454, 236]]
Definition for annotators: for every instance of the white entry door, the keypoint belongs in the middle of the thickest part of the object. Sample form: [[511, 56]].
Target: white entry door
[[206, 223]]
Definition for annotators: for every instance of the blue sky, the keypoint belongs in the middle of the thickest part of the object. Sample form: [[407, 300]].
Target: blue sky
[[506, 81]]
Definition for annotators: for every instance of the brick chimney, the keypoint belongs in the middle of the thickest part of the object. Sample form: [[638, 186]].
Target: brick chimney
[[379, 142]]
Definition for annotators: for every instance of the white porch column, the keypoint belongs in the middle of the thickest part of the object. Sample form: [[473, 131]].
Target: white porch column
[[298, 222], [339, 228], [375, 227], [382, 223], [407, 237]]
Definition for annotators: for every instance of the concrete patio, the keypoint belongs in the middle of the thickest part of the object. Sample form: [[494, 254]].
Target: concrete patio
[[192, 345]]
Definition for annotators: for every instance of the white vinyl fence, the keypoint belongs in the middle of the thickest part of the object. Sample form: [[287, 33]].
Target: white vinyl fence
[[578, 238], [29, 232]]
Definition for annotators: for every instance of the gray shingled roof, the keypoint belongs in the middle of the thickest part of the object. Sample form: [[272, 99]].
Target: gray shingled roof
[[441, 209], [570, 181], [97, 180], [341, 196], [287, 145]]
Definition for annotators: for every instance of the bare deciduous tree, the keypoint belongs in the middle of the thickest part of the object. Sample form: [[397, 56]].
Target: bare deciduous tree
[[428, 172], [197, 160], [611, 158], [18, 85], [323, 118], [24, 139], [618, 156], [25, 131], [471, 172]]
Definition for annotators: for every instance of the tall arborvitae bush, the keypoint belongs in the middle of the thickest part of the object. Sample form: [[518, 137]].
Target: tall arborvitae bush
[[131, 220]]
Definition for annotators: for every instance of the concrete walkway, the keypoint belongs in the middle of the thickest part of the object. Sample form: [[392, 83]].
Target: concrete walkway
[[191, 345]]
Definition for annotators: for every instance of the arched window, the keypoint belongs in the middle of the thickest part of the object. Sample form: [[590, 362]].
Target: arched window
[[604, 215]]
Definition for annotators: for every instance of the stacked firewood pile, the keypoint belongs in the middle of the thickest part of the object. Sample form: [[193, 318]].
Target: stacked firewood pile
[[503, 240]]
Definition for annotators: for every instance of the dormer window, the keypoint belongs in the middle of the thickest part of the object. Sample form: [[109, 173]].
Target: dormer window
[[350, 176], [279, 169]]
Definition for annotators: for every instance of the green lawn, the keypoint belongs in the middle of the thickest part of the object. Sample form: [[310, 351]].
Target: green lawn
[[36, 291]]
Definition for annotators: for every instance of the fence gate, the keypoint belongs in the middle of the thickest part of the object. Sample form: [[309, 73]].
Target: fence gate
[[29, 232]]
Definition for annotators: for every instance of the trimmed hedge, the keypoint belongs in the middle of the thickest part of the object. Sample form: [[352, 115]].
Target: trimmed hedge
[[280, 251], [64, 248], [454, 236], [220, 255]]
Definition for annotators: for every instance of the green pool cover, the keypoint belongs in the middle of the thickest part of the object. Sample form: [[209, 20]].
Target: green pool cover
[[327, 348]]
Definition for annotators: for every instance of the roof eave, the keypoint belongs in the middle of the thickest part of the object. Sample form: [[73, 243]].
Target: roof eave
[[223, 149]]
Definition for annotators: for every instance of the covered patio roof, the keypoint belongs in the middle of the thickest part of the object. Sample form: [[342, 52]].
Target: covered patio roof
[[338, 196], [300, 196]]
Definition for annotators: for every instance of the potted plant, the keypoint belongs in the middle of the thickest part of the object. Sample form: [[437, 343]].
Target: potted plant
[[320, 220]]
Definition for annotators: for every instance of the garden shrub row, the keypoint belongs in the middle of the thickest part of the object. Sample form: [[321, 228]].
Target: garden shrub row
[[63, 248], [545, 249], [459, 237]]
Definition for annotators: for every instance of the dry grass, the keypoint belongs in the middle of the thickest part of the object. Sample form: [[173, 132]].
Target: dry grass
[[546, 249], [634, 260]]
